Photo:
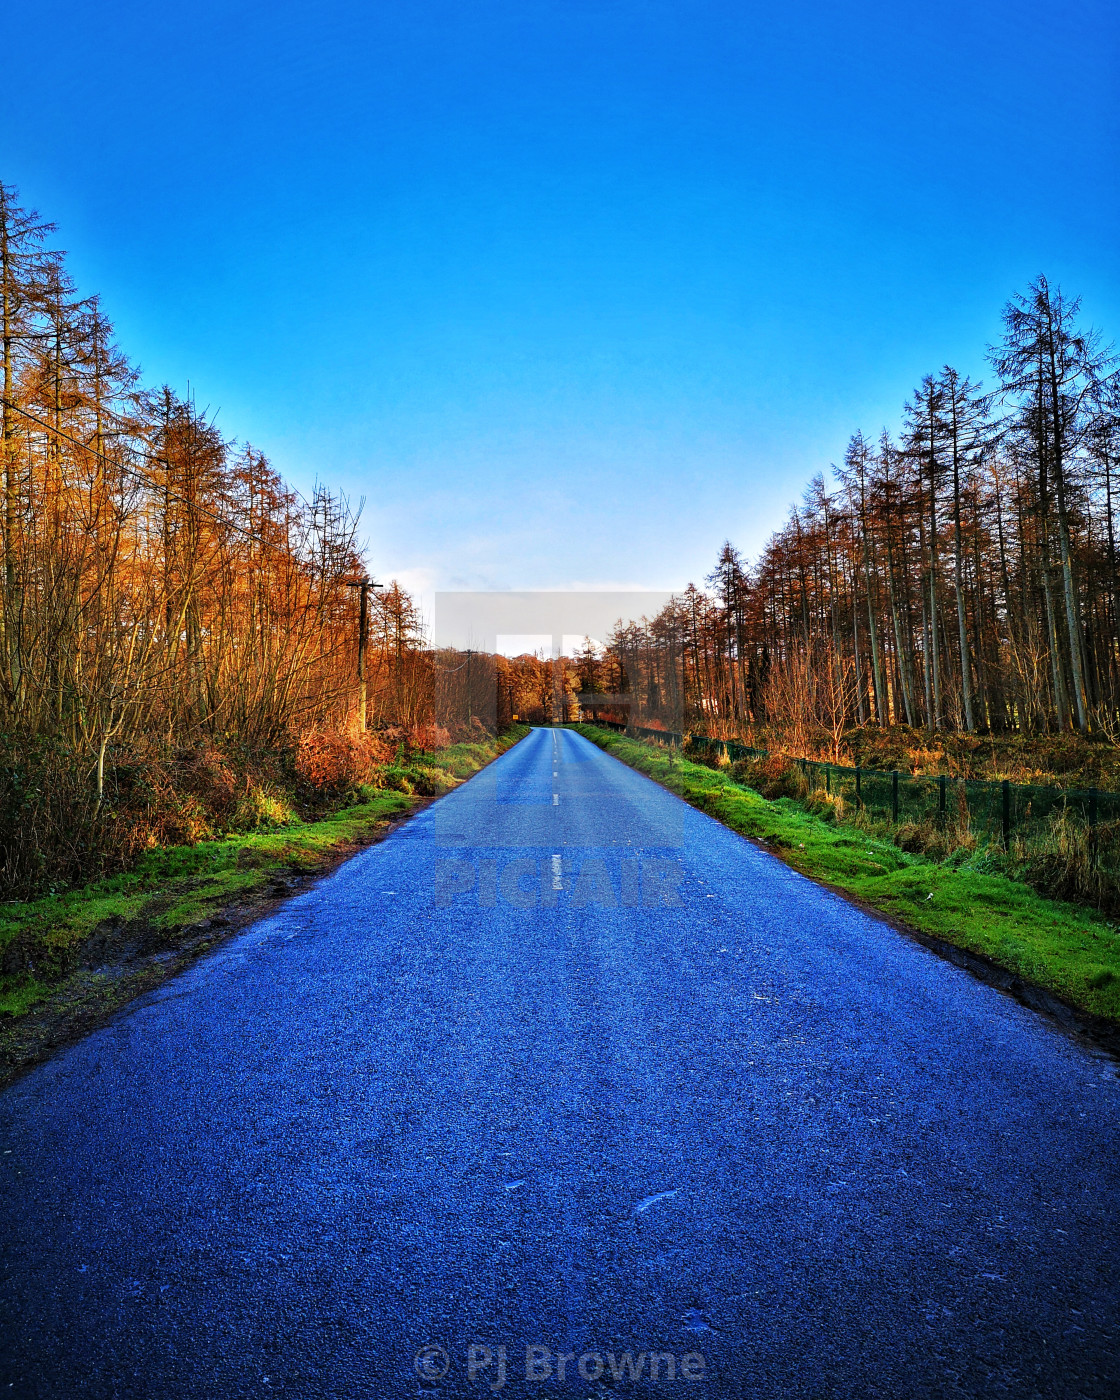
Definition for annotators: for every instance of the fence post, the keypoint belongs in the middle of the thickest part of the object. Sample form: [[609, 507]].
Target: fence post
[[828, 781], [1092, 806], [894, 794], [941, 795], [859, 793], [1006, 785]]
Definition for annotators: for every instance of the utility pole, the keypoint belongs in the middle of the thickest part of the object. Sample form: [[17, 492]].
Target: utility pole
[[363, 585], [469, 697]]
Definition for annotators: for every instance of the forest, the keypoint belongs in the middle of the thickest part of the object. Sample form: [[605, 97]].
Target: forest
[[958, 576], [178, 626]]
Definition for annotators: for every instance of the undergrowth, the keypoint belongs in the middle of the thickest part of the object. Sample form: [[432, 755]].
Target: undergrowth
[[1066, 859], [1064, 759], [56, 834], [164, 890]]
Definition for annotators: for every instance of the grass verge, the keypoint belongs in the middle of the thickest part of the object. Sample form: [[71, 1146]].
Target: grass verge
[[1070, 952], [73, 958]]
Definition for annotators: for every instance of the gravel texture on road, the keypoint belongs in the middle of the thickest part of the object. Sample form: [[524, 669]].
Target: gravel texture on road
[[564, 1090]]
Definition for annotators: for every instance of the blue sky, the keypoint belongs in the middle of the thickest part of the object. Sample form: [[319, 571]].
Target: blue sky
[[568, 291]]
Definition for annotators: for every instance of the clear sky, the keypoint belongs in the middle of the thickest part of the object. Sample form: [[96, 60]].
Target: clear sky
[[569, 290]]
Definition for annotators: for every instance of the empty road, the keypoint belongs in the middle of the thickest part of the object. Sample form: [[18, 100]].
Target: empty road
[[564, 1090]]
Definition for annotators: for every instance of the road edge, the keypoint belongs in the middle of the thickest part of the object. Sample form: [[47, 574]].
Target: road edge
[[1087, 1029], [87, 1000]]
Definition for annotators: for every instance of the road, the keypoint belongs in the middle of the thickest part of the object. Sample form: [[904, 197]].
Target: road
[[563, 1065]]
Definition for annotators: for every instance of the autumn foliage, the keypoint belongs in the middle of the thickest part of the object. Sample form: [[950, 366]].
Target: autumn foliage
[[960, 576], [177, 633]]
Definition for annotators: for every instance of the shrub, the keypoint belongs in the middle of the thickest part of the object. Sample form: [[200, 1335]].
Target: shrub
[[829, 806], [397, 777], [935, 840], [428, 737], [261, 809], [1074, 861], [330, 763], [208, 775], [773, 777], [54, 833], [171, 817]]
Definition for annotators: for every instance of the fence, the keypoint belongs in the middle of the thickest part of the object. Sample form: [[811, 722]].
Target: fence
[[996, 809]]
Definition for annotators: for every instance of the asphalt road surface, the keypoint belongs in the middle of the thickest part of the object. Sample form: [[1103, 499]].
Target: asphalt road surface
[[564, 1079]]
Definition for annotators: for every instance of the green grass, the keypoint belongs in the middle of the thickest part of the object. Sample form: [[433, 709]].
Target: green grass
[[1072, 952], [170, 890]]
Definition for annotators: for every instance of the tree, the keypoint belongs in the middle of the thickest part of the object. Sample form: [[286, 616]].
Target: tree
[[855, 477], [24, 281], [1052, 371], [964, 413], [924, 440], [1008, 523]]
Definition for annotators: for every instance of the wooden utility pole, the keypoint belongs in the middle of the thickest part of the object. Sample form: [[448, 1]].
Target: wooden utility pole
[[363, 585], [470, 706]]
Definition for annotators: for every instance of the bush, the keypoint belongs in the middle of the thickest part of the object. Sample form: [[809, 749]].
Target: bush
[[830, 807], [1074, 861], [331, 763], [168, 815], [207, 773], [54, 833], [41, 818], [936, 841], [261, 809], [426, 738], [773, 777]]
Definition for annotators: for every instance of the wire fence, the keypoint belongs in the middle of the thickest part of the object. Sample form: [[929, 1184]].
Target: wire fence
[[996, 809]]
